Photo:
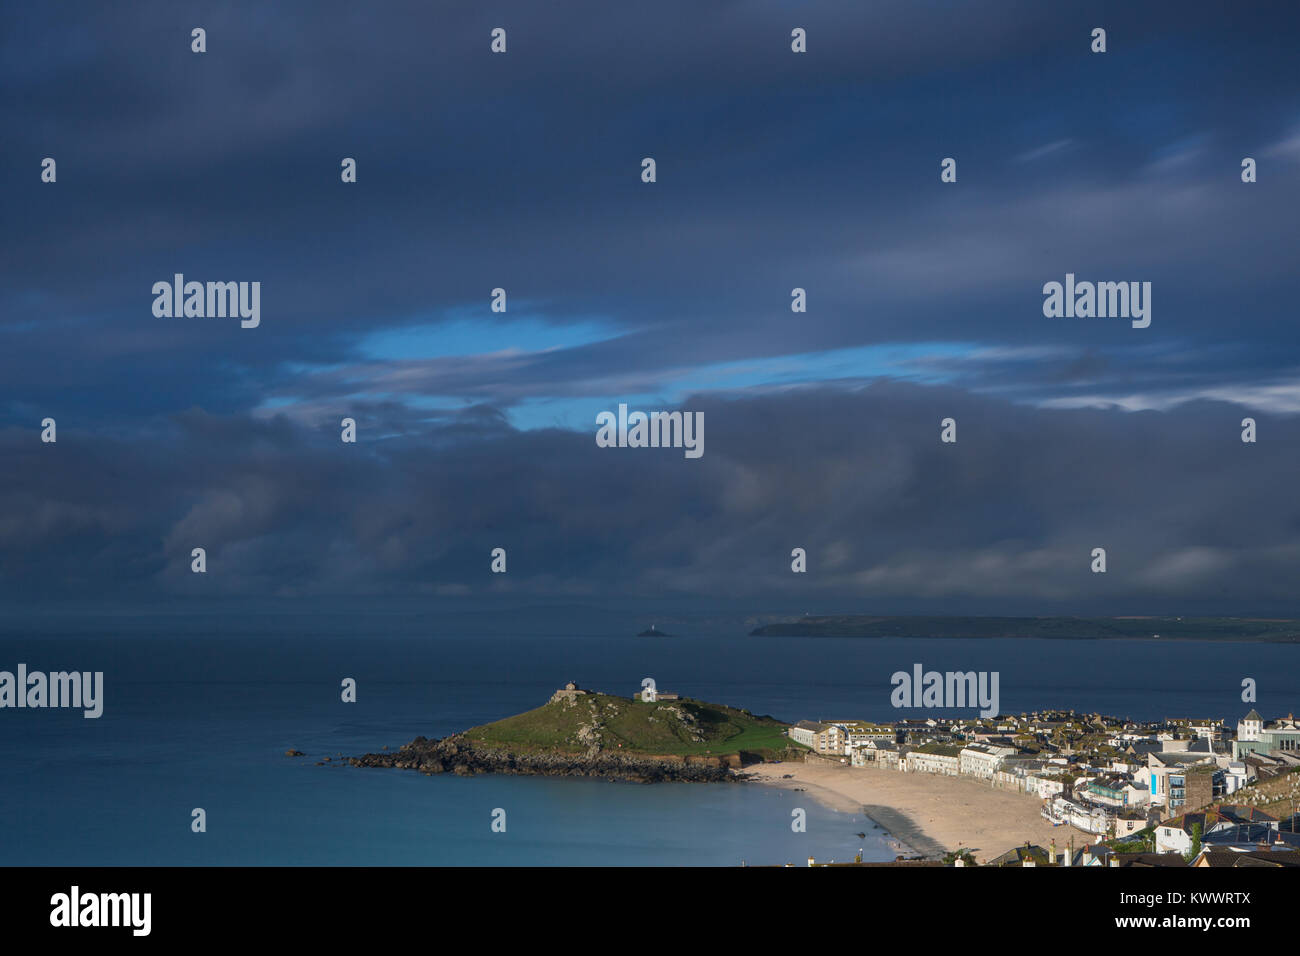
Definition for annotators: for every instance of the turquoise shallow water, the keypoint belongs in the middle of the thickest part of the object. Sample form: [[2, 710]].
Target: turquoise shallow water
[[119, 790], [204, 722]]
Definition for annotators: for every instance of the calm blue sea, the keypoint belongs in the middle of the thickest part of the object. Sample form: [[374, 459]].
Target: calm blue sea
[[204, 720]]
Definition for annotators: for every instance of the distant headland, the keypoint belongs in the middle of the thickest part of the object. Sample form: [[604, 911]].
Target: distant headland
[[1272, 630], [650, 737]]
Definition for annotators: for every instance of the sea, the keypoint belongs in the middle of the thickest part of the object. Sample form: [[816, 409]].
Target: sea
[[202, 720]]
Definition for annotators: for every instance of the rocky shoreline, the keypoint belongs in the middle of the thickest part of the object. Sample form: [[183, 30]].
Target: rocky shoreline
[[457, 754]]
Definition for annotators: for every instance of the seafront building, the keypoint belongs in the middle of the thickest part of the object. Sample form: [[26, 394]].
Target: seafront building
[[982, 760], [1103, 776], [805, 732], [933, 758]]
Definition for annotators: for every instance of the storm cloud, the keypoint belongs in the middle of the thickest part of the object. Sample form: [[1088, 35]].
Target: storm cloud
[[775, 171]]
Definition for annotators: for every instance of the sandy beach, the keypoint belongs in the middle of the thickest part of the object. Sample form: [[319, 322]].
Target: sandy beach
[[929, 814]]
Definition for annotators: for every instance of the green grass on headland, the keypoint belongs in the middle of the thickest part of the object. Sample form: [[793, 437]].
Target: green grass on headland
[[620, 724]]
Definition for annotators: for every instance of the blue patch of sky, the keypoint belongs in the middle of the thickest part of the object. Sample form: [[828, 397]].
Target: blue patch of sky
[[464, 331], [853, 365], [464, 334]]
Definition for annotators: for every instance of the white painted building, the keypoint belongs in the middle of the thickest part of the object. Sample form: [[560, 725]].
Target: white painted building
[[1235, 776], [1250, 727], [1043, 785], [918, 761], [805, 732], [1061, 809], [982, 760], [1175, 839]]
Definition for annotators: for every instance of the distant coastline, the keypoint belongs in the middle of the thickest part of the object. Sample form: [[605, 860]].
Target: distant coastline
[[1240, 629]]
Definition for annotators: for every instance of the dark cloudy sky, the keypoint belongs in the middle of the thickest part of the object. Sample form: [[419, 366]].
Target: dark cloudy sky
[[775, 170]]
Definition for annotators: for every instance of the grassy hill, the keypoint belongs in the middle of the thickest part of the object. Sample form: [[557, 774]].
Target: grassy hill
[[623, 725]]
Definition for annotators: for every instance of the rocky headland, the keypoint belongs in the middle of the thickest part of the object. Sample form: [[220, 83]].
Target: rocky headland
[[579, 733], [459, 755]]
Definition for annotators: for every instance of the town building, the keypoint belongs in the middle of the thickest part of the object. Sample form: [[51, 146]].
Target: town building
[[1217, 858], [857, 732], [805, 732], [933, 758], [876, 753], [1257, 736], [982, 760], [1044, 784], [1062, 810], [1179, 834], [1183, 781], [830, 740]]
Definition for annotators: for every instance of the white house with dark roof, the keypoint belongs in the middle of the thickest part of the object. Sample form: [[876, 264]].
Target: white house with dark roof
[[876, 753], [1276, 737], [1250, 726], [805, 732]]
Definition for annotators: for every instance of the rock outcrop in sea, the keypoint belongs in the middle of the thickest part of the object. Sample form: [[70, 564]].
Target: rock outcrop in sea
[[456, 754]]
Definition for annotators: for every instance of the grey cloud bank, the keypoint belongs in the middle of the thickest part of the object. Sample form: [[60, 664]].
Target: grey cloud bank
[[780, 171], [858, 477]]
